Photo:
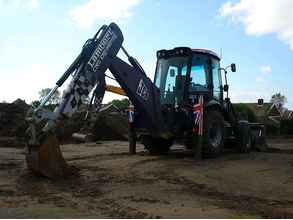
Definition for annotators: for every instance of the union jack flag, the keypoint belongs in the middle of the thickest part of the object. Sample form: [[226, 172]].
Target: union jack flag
[[198, 116]]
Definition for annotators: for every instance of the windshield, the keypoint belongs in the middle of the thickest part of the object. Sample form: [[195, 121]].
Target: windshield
[[171, 72], [199, 72]]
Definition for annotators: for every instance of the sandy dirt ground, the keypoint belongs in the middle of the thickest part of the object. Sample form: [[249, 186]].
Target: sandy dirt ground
[[113, 184]]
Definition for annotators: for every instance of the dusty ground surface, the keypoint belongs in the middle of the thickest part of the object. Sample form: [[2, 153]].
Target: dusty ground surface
[[113, 184]]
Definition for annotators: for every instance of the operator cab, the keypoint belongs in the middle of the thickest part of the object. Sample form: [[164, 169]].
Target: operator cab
[[183, 73]]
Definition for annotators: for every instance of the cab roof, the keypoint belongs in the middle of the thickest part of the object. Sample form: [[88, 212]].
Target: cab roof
[[205, 51], [185, 50]]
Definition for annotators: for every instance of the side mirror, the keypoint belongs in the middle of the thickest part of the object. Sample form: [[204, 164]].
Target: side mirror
[[233, 67], [172, 72]]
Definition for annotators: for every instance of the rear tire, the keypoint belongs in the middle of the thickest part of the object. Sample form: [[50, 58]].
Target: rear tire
[[213, 139], [244, 139], [156, 146]]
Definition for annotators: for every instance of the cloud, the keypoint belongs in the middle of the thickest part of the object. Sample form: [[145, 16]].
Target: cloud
[[34, 4], [26, 81], [4, 4], [259, 79], [262, 17], [86, 14], [265, 70], [13, 4]]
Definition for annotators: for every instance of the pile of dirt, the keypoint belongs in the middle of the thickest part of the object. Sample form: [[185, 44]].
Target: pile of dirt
[[109, 124], [12, 121], [67, 127]]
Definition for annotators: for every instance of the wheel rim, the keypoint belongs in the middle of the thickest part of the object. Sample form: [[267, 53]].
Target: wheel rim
[[248, 144], [215, 135]]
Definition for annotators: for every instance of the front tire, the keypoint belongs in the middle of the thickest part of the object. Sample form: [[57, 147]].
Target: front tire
[[213, 139]]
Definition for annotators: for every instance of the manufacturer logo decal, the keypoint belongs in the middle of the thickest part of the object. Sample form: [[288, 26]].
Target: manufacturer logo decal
[[142, 90], [102, 50]]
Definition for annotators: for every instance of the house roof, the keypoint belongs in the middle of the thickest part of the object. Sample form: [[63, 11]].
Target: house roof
[[287, 114], [270, 110], [109, 108], [266, 109]]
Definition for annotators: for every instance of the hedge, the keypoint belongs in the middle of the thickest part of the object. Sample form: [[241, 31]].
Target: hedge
[[287, 126], [244, 110]]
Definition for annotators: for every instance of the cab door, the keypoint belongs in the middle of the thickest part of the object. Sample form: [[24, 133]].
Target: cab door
[[217, 81]]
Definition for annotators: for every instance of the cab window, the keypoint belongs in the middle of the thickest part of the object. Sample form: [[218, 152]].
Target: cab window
[[198, 73], [217, 80]]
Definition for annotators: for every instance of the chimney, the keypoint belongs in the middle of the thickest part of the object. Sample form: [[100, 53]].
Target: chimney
[[260, 102]]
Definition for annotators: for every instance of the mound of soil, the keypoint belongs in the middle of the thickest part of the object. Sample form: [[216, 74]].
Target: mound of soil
[[12, 118], [110, 124]]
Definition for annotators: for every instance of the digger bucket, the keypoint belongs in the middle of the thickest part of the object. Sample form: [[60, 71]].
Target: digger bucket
[[46, 159]]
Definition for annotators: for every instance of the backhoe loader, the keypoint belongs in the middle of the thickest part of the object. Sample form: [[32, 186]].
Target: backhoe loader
[[185, 102]]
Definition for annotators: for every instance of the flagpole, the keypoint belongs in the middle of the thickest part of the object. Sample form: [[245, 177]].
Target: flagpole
[[198, 139]]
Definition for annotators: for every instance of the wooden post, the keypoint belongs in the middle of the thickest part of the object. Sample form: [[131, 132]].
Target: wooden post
[[132, 141], [197, 147], [131, 130]]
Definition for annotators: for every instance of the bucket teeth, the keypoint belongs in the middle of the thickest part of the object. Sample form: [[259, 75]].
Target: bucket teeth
[[46, 159]]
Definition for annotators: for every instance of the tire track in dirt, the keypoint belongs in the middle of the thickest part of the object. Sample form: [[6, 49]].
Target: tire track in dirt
[[102, 156], [86, 192], [78, 193], [279, 151], [251, 205], [10, 165]]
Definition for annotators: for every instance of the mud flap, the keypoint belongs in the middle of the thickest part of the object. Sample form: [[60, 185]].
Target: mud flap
[[258, 137], [46, 159]]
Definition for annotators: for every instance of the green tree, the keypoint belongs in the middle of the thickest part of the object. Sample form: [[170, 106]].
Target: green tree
[[279, 100], [121, 104], [287, 127], [35, 103], [244, 112], [55, 99]]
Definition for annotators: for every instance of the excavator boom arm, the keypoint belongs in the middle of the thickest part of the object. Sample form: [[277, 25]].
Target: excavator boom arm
[[98, 55], [115, 89], [142, 92]]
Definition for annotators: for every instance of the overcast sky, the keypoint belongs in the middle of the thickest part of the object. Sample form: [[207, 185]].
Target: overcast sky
[[40, 38]]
